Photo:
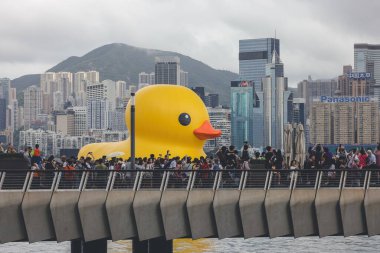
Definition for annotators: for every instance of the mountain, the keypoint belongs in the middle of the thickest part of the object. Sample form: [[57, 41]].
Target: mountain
[[123, 62], [23, 82]]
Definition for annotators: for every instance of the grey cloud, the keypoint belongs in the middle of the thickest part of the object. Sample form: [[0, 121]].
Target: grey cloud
[[316, 36]]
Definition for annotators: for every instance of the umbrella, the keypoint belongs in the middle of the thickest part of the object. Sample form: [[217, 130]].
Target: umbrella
[[288, 143], [300, 145], [115, 154], [58, 160]]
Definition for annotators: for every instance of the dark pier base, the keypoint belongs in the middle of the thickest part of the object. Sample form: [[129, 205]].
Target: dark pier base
[[98, 246], [156, 245]]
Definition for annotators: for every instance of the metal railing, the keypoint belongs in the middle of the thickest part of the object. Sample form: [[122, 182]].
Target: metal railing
[[84, 180]]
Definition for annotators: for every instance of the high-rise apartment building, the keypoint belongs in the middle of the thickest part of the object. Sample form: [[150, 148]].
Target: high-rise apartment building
[[354, 83], [167, 70], [254, 54], [80, 120], [184, 78], [321, 125], [121, 89], [104, 90], [80, 82], [65, 122], [93, 76], [343, 125], [3, 114], [344, 120], [242, 102], [98, 114], [32, 104], [220, 118], [309, 89], [146, 78], [367, 122]]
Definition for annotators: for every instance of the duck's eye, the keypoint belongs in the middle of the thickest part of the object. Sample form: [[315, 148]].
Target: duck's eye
[[184, 119]]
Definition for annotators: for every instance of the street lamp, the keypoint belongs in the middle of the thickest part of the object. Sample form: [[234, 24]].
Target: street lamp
[[133, 109]]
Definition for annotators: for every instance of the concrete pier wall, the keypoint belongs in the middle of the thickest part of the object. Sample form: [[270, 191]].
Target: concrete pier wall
[[372, 210], [93, 216], [352, 211], [227, 215], [146, 207], [174, 214], [36, 212], [277, 211], [65, 215], [120, 214], [252, 212], [327, 211], [302, 209], [201, 214], [11, 217]]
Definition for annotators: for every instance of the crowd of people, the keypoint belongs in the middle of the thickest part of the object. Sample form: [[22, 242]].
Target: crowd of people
[[317, 157]]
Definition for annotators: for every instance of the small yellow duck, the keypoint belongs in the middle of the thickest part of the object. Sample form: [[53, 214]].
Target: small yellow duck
[[168, 117]]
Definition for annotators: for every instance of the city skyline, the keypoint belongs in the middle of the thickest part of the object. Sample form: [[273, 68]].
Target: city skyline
[[209, 38]]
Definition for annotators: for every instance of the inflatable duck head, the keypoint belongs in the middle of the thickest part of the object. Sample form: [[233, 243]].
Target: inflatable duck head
[[170, 117]]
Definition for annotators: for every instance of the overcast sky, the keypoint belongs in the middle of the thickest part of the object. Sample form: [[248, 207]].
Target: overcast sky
[[316, 37]]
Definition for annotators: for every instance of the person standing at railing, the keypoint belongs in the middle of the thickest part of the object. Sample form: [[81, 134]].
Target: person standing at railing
[[371, 159], [36, 156], [362, 158], [222, 156], [377, 155], [310, 165], [245, 157], [69, 174]]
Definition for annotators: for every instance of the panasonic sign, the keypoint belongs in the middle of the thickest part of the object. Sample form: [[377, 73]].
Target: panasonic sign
[[327, 99]]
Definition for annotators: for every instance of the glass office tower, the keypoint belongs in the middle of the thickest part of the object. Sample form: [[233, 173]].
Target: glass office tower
[[254, 54], [242, 101]]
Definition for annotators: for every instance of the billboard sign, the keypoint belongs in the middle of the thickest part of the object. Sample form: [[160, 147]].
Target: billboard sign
[[359, 75], [327, 99]]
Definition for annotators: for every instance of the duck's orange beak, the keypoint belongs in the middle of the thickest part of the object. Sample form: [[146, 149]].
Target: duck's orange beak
[[206, 131]]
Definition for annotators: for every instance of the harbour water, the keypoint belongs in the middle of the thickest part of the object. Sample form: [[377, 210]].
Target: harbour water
[[339, 244]]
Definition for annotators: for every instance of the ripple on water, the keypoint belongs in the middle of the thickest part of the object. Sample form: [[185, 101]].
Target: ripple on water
[[362, 244]]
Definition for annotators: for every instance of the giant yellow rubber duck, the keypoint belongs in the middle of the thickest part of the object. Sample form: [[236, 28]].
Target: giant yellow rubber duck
[[168, 117]]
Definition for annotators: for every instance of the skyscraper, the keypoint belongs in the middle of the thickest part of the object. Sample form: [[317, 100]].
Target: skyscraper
[[167, 70], [242, 101], [309, 89], [298, 111], [212, 100], [3, 114], [200, 92], [275, 100], [254, 54], [367, 59], [5, 87]]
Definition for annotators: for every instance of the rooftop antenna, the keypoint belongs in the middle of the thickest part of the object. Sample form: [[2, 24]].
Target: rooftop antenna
[[275, 33]]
